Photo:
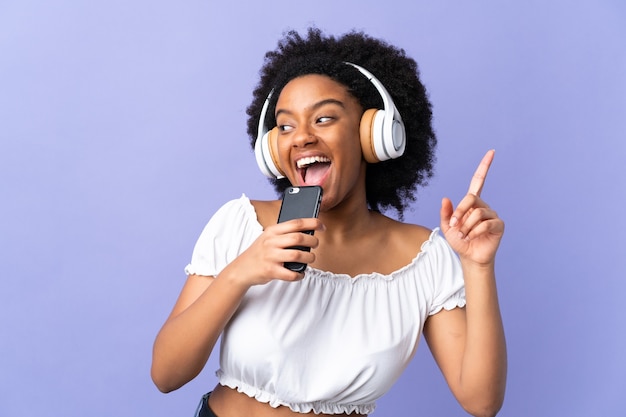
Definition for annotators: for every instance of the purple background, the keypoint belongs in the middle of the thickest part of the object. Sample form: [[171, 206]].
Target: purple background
[[122, 129]]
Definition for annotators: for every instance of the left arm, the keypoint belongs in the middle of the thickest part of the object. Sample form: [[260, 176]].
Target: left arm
[[468, 344]]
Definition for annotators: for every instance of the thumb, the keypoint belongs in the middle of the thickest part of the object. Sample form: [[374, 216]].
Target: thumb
[[446, 213]]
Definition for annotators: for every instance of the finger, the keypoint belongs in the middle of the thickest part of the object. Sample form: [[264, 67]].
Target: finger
[[285, 274], [297, 255], [298, 225], [275, 259], [445, 214], [475, 219], [478, 180], [299, 239], [494, 226], [465, 208]]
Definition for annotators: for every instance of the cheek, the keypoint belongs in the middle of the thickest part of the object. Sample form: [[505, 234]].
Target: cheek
[[353, 156], [355, 146]]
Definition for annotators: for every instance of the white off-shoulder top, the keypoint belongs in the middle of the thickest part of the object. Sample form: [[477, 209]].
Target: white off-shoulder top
[[329, 343]]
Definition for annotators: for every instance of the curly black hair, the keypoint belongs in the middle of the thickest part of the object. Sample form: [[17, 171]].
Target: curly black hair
[[389, 184]]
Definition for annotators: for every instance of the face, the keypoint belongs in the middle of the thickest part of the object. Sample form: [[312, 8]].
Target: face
[[318, 137]]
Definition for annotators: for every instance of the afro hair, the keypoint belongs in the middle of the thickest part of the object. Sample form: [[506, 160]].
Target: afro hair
[[389, 184]]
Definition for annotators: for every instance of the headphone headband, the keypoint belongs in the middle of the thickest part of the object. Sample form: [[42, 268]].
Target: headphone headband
[[388, 104]]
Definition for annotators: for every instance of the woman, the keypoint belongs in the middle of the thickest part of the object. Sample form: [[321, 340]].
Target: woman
[[348, 114]]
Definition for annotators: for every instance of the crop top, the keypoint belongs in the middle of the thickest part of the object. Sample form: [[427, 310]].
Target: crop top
[[329, 343]]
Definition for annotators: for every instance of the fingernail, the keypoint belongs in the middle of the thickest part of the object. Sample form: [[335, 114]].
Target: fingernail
[[460, 235], [453, 221]]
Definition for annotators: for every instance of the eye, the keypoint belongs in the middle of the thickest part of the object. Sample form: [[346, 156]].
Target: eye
[[285, 128], [324, 119]]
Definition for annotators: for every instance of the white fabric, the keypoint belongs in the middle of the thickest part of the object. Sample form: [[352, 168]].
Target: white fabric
[[329, 343]]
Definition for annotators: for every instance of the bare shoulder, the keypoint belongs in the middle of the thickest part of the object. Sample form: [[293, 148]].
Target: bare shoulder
[[414, 231], [407, 231], [266, 211], [405, 238]]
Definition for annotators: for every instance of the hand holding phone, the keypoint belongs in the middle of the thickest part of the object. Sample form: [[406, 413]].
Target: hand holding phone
[[300, 203]]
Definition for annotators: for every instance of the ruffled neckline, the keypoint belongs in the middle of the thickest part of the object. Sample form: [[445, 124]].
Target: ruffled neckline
[[312, 272], [321, 274]]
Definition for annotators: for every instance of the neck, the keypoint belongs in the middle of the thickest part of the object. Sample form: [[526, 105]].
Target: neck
[[351, 219]]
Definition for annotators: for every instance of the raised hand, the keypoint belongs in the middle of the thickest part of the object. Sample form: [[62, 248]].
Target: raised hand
[[473, 229]]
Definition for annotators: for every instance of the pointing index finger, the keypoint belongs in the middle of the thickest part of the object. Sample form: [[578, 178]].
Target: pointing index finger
[[478, 180]]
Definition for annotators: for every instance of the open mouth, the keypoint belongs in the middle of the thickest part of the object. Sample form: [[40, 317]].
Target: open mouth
[[313, 169]]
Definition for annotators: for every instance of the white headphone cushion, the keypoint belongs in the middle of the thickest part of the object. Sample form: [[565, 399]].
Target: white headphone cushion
[[378, 136], [261, 153]]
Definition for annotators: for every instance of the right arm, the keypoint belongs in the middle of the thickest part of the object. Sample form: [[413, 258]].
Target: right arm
[[183, 345], [206, 304]]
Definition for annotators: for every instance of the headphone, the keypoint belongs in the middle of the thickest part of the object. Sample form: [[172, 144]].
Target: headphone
[[381, 131]]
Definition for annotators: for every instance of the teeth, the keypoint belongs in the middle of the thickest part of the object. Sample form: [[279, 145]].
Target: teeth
[[301, 163]]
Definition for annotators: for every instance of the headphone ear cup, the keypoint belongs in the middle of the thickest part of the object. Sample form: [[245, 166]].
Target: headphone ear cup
[[381, 138], [368, 135], [266, 153], [272, 138], [382, 132], [395, 143], [258, 154]]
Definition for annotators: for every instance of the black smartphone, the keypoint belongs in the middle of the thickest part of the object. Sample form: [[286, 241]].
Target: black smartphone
[[300, 203]]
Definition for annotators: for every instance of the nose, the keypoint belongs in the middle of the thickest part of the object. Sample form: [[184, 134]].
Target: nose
[[304, 137]]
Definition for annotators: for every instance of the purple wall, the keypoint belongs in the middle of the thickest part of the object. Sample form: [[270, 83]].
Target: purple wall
[[122, 129]]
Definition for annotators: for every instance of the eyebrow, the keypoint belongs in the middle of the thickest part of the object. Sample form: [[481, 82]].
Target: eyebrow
[[315, 106]]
